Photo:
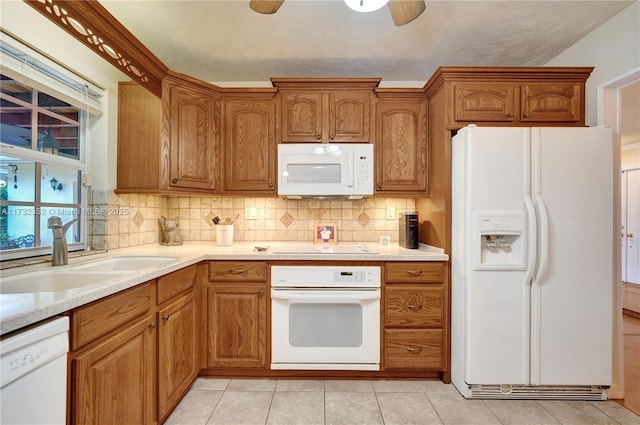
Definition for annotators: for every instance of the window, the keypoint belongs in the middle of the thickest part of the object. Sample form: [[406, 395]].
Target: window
[[41, 168]]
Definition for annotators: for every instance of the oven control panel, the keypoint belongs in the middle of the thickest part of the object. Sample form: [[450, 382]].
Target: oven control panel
[[349, 277], [325, 276]]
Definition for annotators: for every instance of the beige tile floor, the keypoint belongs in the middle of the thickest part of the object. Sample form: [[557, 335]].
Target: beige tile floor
[[283, 402]]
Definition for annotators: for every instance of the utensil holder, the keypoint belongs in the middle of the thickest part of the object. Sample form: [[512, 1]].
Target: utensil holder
[[224, 234]]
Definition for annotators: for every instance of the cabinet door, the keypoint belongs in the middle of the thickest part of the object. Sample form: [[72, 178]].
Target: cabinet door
[[349, 116], [113, 383], [401, 146], [237, 320], [177, 352], [250, 146], [301, 117], [493, 102], [194, 121], [544, 102]]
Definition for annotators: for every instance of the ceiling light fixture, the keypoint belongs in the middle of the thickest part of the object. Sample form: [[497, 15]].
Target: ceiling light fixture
[[402, 11], [365, 5]]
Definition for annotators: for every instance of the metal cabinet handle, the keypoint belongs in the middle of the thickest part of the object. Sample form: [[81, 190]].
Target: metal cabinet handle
[[414, 350], [414, 307], [527, 115], [510, 114], [414, 272], [152, 325], [240, 271], [630, 235], [174, 181], [318, 136], [165, 317], [270, 185], [379, 185], [260, 292]]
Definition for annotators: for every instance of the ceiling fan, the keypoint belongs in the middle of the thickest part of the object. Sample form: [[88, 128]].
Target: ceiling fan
[[402, 11]]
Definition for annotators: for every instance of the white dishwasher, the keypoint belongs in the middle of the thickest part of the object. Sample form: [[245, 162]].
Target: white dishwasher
[[33, 372]]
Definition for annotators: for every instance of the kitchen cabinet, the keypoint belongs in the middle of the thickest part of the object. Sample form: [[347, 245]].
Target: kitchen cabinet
[[237, 312], [113, 362], [415, 317], [325, 110], [250, 146], [169, 145], [191, 135], [139, 122], [136, 353], [518, 102], [401, 149], [178, 339]]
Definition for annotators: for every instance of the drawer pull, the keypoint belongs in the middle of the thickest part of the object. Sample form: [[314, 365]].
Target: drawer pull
[[414, 350], [239, 271], [414, 272], [166, 317], [414, 307]]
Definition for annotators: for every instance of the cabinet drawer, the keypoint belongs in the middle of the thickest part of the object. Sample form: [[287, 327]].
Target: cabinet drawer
[[175, 283], [414, 272], [413, 349], [95, 320], [414, 306], [237, 271]]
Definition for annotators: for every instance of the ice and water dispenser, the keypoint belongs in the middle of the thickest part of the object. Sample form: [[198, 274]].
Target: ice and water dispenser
[[499, 240]]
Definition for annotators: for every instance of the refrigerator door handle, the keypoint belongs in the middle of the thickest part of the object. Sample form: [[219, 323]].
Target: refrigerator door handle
[[543, 264], [531, 236]]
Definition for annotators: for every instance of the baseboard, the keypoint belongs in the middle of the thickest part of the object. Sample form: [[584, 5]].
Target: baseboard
[[615, 392]]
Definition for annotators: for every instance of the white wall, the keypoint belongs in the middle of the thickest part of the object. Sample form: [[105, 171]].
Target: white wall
[[613, 49], [28, 25]]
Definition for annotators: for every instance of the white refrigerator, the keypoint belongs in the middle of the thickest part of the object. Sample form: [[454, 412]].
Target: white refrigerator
[[532, 257]]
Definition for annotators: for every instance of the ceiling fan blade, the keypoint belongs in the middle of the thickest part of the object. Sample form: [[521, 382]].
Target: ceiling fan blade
[[405, 11], [265, 6]]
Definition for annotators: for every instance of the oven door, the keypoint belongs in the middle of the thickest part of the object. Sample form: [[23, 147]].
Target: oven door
[[325, 329]]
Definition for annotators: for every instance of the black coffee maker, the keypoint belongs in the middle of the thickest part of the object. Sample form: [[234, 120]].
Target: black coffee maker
[[409, 230]]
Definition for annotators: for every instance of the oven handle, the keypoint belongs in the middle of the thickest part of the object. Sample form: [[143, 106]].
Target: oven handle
[[324, 296]]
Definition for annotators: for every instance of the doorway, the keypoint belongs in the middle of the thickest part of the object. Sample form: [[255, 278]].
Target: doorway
[[619, 108]]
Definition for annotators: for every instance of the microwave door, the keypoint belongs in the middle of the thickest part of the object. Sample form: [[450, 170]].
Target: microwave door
[[304, 175]]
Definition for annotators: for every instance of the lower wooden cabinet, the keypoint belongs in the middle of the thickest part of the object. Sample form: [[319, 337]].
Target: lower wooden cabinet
[[177, 352], [237, 320], [113, 382], [415, 317], [133, 358]]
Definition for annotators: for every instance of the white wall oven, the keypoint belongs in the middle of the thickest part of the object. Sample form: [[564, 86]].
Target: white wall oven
[[325, 317]]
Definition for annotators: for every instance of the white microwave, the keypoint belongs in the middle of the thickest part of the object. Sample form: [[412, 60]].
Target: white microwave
[[308, 170]]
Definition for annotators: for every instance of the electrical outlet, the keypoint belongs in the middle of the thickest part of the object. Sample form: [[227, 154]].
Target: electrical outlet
[[391, 213], [250, 213]]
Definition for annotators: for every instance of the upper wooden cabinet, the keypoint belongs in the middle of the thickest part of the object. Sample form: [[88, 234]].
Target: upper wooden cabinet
[[512, 102], [169, 145], [250, 146], [326, 110], [191, 135], [401, 149], [510, 96]]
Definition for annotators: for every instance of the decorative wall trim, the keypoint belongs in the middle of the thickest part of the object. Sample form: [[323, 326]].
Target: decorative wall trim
[[90, 23]]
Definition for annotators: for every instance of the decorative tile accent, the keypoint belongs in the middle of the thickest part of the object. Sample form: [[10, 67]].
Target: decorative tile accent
[[364, 219], [287, 219], [138, 219]]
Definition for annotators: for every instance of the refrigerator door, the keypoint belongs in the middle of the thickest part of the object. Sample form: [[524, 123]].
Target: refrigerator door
[[493, 298], [571, 299]]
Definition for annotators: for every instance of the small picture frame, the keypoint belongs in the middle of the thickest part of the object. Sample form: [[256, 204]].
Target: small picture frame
[[325, 233]]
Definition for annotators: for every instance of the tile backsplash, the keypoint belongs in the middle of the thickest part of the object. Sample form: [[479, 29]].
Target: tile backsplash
[[133, 219]]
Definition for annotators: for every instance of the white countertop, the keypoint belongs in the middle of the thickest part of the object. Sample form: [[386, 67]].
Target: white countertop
[[24, 309]]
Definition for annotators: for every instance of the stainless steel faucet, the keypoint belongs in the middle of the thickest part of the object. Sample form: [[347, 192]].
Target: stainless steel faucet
[[60, 255]]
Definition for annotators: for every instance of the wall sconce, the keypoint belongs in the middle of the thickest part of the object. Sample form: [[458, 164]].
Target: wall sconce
[[55, 185]]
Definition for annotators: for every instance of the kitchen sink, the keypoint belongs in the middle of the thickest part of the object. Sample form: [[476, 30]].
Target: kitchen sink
[[51, 281], [125, 264]]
